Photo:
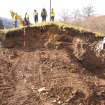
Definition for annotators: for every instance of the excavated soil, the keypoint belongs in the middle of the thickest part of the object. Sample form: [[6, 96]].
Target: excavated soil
[[50, 66]]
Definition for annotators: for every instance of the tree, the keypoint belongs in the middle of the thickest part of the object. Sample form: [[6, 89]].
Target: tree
[[88, 11], [65, 14], [76, 15]]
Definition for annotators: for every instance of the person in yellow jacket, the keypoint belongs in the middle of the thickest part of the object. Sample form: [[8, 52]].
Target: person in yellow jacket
[[52, 14], [16, 20]]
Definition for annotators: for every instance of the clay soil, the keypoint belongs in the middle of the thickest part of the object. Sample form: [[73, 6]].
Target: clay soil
[[48, 72]]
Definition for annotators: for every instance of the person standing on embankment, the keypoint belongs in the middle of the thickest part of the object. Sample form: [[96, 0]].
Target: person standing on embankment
[[44, 15], [35, 16], [52, 15]]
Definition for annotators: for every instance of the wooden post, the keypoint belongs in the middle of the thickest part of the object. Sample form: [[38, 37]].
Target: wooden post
[[24, 43]]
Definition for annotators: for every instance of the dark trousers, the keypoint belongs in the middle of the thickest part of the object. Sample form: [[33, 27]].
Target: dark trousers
[[27, 23], [43, 18], [104, 46], [52, 18], [36, 19], [16, 23]]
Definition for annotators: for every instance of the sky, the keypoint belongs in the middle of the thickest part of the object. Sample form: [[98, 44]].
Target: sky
[[22, 6]]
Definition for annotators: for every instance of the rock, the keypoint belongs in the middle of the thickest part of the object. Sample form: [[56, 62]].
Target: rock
[[41, 89]]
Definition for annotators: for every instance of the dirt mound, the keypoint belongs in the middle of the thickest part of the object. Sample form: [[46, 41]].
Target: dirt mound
[[48, 68], [37, 37], [55, 36]]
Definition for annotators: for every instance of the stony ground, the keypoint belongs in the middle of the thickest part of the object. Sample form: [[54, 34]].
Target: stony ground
[[56, 68], [47, 77]]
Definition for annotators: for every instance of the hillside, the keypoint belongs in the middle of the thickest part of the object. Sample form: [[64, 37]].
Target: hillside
[[93, 23], [6, 23], [51, 64]]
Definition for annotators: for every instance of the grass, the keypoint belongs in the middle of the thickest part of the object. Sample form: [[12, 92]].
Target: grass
[[59, 24]]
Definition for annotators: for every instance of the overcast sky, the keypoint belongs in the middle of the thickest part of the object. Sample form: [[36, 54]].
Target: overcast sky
[[22, 6]]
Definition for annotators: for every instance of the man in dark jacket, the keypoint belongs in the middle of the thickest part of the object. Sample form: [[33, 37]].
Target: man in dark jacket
[[44, 15]]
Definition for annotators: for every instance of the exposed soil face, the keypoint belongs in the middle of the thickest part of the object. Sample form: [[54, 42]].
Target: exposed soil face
[[36, 37], [49, 69]]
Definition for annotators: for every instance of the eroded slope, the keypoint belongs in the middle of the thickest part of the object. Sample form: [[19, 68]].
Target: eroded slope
[[49, 69]]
